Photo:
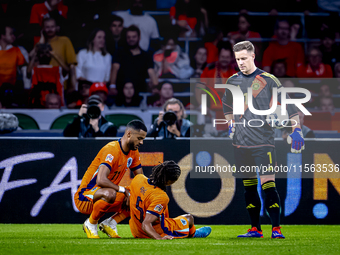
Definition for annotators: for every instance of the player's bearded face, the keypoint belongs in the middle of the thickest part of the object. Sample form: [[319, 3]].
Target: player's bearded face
[[136, 139]]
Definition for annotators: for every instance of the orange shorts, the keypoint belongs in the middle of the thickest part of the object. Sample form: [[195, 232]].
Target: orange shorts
[[83, 200], [176, 227]]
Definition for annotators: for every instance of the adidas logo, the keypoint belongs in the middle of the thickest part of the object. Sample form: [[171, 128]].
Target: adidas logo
[[274, 206], [250, 206]]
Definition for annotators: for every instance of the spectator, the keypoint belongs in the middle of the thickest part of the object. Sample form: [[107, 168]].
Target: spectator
[[329, 49], [327, 104], [283, 48], [199, 61], [144, 22], [90, 126], [180, 128], [94, 62], [220, 71], [279, 68], [129, 98], [116, 37], [325, 91], [337, 70], [243, 29], [171, 62], [190, 17], [315, 68], [10, 56], [45, 77], [100, 89], [212, 45], [41, 11], [133, 64], [48, 9], [61, 45], [75, 99], [52, 101], [165, 93]]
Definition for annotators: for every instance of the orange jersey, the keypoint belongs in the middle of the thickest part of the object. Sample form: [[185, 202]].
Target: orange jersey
[[118, 161], [147, 198]]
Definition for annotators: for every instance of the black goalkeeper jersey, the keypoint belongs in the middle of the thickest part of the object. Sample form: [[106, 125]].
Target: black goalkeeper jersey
[[262, 83]]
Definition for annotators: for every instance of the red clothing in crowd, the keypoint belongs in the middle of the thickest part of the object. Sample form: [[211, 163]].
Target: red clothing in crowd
[[192, 21], [324, 71], [249, 35], [213, 74], [39, 11], [292, 52], [48, 74], [10, 59]]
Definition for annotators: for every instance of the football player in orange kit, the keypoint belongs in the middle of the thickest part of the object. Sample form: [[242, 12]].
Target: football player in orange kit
[[99, 192], [149, 207]]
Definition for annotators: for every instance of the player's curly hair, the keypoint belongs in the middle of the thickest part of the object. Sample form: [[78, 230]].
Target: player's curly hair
[[164, 172]]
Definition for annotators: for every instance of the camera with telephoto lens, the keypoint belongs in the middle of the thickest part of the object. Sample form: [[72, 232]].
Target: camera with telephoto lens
[[169, 118], [93, 110]]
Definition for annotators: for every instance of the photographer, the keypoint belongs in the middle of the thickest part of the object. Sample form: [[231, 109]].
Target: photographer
[[90, 122], [171, 121]]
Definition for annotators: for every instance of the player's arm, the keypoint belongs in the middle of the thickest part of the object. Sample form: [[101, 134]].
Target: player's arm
[[138, 171], [149, 230], [104, 182]]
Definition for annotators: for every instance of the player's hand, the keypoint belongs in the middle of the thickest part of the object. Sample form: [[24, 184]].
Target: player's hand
[[296, 140], [231, 130], [173, 129], [166, 238], [160, 117]]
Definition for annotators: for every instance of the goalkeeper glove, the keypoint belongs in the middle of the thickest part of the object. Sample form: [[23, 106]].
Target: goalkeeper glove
[[231, 130], [297, 141]]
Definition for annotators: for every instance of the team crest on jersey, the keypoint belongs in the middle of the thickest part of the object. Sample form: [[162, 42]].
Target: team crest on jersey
[[109, 158], [158, 208], [255, 86], [184, 222], [129, 162]]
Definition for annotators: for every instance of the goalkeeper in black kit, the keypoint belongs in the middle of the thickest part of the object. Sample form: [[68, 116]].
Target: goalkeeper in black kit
[[254, 144]]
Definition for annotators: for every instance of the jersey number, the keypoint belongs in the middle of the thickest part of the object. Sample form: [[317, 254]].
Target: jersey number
[[115, 176], [141, 212]]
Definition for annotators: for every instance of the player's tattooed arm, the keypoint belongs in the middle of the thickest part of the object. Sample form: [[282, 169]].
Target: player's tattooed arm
[[149, 230]]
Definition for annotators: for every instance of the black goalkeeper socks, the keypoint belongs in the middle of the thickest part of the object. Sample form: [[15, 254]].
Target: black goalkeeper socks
[[253, 202], [272, 202]]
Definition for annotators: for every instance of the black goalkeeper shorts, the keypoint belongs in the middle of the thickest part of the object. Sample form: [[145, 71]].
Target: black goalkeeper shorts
[[249, 162]]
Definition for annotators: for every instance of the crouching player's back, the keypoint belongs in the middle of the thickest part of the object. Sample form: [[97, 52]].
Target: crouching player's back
[[149, 207]]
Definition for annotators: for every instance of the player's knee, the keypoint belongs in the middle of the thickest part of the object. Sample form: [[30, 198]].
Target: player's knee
[[109, 195], [190, 219]]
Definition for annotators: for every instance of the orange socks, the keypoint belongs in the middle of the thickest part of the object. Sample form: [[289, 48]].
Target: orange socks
[[192, 231], [99, 209], [118, 217]]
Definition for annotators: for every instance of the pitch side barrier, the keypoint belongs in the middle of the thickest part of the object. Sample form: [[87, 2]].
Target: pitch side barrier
[[39, 176]]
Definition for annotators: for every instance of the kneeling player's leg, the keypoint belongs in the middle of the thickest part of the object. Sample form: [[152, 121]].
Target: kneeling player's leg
[[103, 199]]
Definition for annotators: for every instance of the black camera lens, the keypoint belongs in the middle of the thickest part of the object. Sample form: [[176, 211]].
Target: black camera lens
[[93, 110], [169, 118]]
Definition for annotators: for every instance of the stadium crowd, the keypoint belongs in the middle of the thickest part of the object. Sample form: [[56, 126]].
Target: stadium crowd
[[74, 49]]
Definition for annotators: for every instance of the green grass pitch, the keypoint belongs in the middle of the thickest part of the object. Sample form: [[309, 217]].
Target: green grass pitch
[[70, 239]]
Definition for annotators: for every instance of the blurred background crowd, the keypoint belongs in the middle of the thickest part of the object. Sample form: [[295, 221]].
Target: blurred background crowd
[[138, 54]]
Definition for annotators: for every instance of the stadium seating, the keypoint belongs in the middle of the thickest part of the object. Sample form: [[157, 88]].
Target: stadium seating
[[26, 121], [62, 121]]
